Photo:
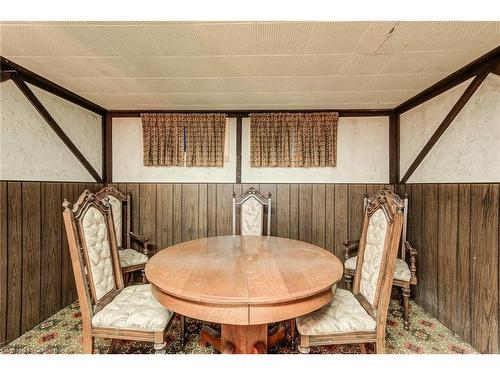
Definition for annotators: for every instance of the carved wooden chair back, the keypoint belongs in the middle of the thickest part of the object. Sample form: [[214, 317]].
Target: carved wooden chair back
[[120, 208], [378, 246], [94, 253], [402, 251], [252, 205]]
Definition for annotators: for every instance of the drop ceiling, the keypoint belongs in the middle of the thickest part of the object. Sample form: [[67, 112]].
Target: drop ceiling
[[246, 65]]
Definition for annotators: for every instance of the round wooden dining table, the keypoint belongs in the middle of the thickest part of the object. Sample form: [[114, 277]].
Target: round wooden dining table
[[244, 283]]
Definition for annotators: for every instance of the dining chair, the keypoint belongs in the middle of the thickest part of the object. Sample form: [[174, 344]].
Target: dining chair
[[359, 317], [252, 204], [130, 260], [108, 309], [404, 275]]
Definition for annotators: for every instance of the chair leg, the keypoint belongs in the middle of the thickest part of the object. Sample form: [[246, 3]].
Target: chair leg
[[362, 348], [144, 278], [406, 307], [160, 347], [88, 344], [292, 333], [348, 281], [183, 330], [126, 277], [304, 345], [380, 346]]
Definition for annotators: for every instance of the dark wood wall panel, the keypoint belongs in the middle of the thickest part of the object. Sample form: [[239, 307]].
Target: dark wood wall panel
[[50, 250], [14, 259], [3, 262], [455, 228], [36, 279], [484, 270]]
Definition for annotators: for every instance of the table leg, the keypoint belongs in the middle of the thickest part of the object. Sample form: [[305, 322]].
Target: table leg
[[244, 339], [251, 339]]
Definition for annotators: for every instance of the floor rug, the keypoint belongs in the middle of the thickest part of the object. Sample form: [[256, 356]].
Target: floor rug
[[61, 333]]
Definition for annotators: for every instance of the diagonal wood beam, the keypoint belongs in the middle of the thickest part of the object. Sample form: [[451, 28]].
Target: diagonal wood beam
[[55, 127], [469, 91], [496, 69], [43, 83], [5, 76]]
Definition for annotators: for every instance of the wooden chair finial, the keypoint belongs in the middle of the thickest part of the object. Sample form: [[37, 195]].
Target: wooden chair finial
[[66, 204]]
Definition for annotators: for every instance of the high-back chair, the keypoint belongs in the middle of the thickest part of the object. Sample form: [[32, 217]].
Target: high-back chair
[[108, 309], [252, 205], [130, 260], [359, 317], [404, 275]]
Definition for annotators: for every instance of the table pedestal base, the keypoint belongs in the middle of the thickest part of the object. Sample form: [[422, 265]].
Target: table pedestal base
[[239, 339]]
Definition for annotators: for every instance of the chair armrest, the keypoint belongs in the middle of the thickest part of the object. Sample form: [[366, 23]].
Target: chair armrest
[[350, 246], [143, 240], [413, 261]]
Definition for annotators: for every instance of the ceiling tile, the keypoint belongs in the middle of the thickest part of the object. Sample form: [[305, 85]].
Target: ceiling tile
[[279, 38], [278, 65], [322, 65], [228, 38], [235, 66], [203, 65]]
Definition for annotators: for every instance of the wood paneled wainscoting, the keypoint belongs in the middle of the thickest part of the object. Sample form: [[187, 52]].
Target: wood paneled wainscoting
[[456, 232], [455, 228], [36, 278]]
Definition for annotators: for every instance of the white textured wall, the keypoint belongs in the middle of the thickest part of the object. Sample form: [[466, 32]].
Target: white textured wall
[[128, 163], [82, 126], [362, 156], [418, 124], [469, 150], [29, 148]]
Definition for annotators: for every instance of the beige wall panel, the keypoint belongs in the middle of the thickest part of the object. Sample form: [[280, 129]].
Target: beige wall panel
[[469, 149], [128, 158], [29, 148], [362, 156], [419, 123]]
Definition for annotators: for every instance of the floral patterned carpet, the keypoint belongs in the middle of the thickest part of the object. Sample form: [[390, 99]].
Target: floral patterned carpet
[[61, 333]]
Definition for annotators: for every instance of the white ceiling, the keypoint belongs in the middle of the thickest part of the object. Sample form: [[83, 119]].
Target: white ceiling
[[246, 65]]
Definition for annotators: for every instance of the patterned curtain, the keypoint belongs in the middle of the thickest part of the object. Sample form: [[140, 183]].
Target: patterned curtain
[[184, 139], [293, 139]]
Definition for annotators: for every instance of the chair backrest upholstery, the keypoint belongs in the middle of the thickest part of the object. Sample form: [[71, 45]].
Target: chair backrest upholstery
[[402, 251], [118, 201], [252, 205], [94, 251], [378, 246]]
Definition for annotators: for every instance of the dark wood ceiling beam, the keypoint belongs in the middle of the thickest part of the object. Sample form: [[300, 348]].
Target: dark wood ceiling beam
[[471, 89], [5, 76], [246, 113], [489, 60], [47, 85], [496, 69], [55, 126]]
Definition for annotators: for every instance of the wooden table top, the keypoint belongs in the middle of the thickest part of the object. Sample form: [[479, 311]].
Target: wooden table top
[[242, 271]]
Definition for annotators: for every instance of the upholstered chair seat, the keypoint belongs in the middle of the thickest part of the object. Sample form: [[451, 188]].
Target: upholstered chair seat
[[134, 308], [131, 257], [358, 315], [343, 314], [401, 269], [108, 308]]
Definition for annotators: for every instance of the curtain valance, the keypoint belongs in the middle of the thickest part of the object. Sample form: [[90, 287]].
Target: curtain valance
[[184, 139], [293, 139]]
